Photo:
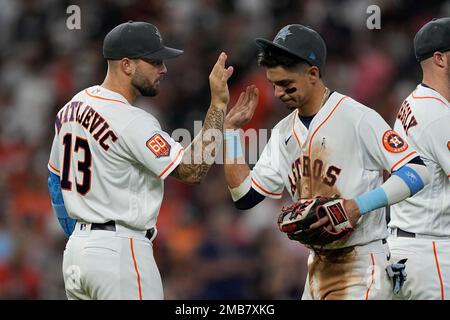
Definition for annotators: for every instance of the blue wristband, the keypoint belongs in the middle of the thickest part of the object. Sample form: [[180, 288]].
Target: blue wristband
[[233, 141], [371, 200]]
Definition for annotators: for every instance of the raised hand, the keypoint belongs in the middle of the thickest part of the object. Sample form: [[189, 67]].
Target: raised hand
[[220, 96], [242, 112]]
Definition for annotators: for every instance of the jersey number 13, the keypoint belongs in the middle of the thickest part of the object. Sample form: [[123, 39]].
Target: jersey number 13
[[84, 167]]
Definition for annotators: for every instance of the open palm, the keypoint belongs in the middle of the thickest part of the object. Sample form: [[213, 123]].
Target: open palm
[[242, 112]]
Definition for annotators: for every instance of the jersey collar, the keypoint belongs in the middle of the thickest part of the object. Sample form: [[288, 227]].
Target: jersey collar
[[426, 92], [303, 134], [99, 92]]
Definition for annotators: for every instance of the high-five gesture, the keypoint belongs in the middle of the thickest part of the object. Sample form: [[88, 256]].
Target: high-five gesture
[[218, 78], [242, 112]]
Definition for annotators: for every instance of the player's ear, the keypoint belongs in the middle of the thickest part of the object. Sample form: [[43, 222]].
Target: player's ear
[[128, 66], [446, 59], [440, 59], [313, 74]]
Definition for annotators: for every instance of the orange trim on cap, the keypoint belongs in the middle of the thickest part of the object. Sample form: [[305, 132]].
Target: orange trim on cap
[[136, 269], [171, 164], [400, 161], [101, 98], [326, 119], [428, 97], [293, 129], [438, 270], [372, 277], [264, 190], [50, 165]]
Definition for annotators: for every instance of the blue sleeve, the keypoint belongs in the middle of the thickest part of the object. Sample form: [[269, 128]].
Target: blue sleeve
[[54, 188], [251, 199]]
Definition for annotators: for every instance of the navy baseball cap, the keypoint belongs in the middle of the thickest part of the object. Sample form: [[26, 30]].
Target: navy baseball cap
[[135, 40], [300, 41], [432, 37]]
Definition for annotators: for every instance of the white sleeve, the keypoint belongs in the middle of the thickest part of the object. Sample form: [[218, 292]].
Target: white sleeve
[[145, 142], [265, 176], [53, 162], [383, 147], [438, 140]]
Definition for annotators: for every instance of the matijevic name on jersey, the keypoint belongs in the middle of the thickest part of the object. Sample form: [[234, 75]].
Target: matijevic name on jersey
[[89, 119]]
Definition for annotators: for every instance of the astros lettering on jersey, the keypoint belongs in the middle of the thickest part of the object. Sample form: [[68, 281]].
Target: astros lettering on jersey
[[345, 161]]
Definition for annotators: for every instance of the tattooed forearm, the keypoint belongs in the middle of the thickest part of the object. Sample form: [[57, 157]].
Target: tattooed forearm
[[196, 163]]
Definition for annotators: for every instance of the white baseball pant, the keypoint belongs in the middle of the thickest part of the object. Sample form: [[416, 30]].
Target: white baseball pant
[[427, 267], [355, 273], [110, 265]]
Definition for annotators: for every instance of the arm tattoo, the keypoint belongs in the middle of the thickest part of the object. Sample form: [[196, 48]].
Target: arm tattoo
[[194, 166]]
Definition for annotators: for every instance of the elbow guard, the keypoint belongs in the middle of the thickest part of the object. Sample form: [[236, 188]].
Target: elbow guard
[[54, 188]]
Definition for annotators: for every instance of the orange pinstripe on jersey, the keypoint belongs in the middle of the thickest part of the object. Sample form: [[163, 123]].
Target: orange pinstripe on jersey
[[428, 97], [317, 129], [438, 270], [401, 160], [372, 277], [264, 190], [101, 98], [293, 128], [50, 165], [171, 164], [136, 269], [326, 119]]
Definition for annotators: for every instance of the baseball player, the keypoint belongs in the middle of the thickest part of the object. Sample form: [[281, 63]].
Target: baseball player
[[420, 226], [108, 163], [330, 145]]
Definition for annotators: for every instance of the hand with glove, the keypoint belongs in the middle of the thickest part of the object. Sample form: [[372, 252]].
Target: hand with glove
[[397, 273], [319, 221]]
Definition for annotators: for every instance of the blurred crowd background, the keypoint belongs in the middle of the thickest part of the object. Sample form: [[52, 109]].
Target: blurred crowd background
[[205, 248]]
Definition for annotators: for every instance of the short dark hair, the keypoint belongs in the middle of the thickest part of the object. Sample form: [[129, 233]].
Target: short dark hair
[[272, 57]]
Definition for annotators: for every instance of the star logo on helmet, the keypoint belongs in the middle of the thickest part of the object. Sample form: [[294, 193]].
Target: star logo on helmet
[[312, 56], [283, 34]]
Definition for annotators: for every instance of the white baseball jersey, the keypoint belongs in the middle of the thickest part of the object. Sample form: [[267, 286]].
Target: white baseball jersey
[[112, 159], [344, 153], [424, 119]]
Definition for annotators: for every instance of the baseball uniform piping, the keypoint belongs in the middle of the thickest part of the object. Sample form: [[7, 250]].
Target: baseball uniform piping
[[53, 168], [136, 269], [372, 275], [101, 98], [401, 160], [171, 164], [326, 119], [438, 270], [264, 190], [428, 97], [293, 129]]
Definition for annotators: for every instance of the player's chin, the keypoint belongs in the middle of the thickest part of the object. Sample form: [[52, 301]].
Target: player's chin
[[290, 104], [149, 90]]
